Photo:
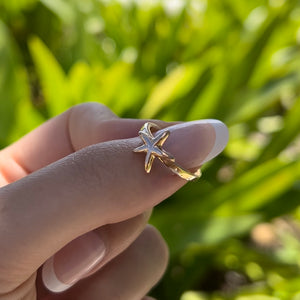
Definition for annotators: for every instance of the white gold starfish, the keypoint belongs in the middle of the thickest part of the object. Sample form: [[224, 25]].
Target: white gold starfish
[[152, 145]]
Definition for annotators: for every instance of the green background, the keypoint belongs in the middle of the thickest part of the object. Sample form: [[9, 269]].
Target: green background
[[235, 233]]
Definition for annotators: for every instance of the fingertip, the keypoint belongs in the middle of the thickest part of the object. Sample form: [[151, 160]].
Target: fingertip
[[161, 250], [50, 280]]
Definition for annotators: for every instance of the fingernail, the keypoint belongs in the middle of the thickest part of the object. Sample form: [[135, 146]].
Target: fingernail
[[194, 143], [73, 262]]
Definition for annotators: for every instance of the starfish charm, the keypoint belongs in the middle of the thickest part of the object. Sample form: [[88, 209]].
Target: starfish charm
[[153, 145]]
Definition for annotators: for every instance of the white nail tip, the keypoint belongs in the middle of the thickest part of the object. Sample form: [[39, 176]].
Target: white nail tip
[[50, 280], [221, 140]]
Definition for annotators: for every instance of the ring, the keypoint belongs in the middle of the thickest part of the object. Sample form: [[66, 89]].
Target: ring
[[153, 148]]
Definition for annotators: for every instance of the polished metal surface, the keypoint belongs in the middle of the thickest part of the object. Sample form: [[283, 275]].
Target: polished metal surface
[[153, 148]]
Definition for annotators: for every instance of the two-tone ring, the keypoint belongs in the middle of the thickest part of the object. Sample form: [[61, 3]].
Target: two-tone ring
[[153, 148]]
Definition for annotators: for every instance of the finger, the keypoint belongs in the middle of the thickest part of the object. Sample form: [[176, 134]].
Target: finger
[[100, 184], [52, 140], [78, 127], [129, 276], [88, 253]]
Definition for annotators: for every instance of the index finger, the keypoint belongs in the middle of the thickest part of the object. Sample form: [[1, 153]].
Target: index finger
[[78, 127]]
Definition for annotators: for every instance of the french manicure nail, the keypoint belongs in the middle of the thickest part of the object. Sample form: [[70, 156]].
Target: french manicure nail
[[194, 143], [73, 262]]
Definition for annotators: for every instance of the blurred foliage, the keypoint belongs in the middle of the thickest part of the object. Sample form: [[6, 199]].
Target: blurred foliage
[[235, 234]]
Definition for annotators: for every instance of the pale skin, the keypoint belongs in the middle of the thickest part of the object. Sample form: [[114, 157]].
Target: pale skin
[[55, 187]]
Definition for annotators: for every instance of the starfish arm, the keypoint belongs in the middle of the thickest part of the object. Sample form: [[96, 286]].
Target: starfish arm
[[152, 145], [160, 138], [148, 140], [157, 151], [149, 161], [146, 129], [150, 125], [142, 148], [162, 153]]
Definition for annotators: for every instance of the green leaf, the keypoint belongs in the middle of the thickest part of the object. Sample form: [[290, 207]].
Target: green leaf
[[207, 103], [15, 6], [27, 118], [82, 82], [62, 9], [257, 297], [243, 65], [51, 76], [175, 85], [191, 227], [190, 295], [286, 136], [257, 187], [253, 103], [13, 84]]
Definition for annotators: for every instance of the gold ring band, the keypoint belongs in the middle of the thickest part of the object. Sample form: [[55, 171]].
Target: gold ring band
[[153, 148]]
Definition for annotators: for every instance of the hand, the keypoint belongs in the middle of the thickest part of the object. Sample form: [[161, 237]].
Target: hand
[[75, 201]]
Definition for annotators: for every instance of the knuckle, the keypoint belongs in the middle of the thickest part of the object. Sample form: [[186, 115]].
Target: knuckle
[[91, 108]]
